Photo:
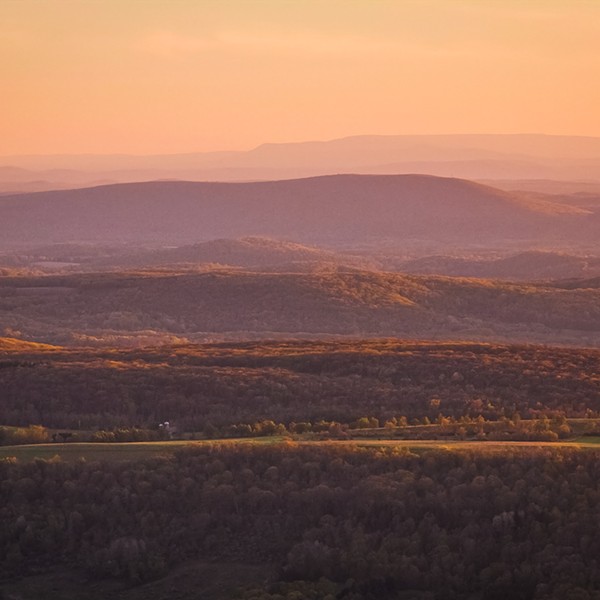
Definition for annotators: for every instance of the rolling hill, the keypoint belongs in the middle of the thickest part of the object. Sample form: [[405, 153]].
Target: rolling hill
[[527, 266], [236, 304], [343, 209], [255, 253], [248, 252]]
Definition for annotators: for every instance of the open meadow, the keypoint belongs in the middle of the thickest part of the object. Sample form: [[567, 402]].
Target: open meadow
[[132, 451]]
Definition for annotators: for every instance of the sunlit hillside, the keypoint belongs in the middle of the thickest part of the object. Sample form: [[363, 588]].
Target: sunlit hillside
[[238, 304]]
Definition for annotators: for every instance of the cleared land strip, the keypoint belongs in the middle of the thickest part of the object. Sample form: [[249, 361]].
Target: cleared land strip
[[140, 450]]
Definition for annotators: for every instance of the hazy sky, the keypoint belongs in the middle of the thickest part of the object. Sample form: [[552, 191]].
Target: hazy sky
[[150, 76]]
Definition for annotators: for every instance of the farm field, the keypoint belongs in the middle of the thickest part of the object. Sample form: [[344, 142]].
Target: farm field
[[132, 451], [91, 451]]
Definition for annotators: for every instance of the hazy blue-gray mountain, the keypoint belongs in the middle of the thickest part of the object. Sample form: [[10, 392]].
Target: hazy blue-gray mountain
[[522, 156], [344, 209]]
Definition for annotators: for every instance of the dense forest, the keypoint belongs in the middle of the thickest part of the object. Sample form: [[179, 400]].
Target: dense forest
[[89, 308], [202, 387], [329, 521]]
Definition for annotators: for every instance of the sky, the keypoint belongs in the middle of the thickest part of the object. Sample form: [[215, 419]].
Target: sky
[[169, 76]]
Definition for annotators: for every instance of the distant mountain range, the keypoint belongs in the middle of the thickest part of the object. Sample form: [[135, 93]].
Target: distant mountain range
[[490, 157], [342, 210]]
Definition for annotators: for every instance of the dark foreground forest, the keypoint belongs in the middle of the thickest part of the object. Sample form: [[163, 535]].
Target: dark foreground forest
[[314, 517], [319, 521]]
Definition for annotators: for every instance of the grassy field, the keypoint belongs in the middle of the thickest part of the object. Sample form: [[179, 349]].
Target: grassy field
[[112, 451], [139, 450]]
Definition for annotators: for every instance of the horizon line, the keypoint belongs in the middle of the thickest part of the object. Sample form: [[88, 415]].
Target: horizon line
[[292, 143]]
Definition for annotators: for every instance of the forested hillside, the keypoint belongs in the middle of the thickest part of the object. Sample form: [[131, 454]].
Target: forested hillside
[[220, 385], [81, 308]]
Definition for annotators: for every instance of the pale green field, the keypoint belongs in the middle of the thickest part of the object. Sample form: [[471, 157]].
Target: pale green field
[[140, 450], [112, 451]]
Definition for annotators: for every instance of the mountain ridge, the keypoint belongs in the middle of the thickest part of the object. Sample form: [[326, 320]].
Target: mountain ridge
[[485, 156], [331, 209]]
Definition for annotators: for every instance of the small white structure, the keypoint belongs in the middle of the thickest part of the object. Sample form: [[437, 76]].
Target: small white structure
[[167, 428]]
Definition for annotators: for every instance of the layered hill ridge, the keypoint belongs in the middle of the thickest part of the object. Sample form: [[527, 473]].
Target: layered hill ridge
[[254, 253], [532, 265], [248, 252], [267, 254], [241, 304], [342, 209]]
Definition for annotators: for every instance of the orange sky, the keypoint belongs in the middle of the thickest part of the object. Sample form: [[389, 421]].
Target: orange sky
[[152, 76]]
